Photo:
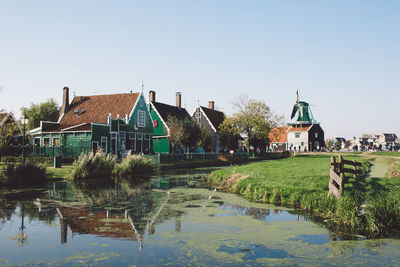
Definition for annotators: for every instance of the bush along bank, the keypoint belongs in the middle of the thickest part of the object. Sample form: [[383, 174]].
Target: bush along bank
[[19, 175], [101, 166], [369, 205]]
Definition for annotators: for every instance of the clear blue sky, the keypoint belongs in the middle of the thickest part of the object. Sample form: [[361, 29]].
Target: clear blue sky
[[344, 56]]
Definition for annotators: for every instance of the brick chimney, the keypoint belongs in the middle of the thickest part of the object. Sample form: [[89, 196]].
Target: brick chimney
[[152, 96], [65, 102], [211, 104], [179, 99]]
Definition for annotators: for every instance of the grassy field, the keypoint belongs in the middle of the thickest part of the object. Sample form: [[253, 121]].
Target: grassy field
[[303, 181], [385, 153]]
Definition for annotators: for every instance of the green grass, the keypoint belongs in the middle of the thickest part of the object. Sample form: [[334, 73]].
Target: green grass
[[303, 181], [385, 153], [59, 173]]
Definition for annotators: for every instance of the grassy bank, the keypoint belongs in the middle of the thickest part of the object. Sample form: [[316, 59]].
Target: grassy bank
[[303, 181], [385, 153], [184, 164]]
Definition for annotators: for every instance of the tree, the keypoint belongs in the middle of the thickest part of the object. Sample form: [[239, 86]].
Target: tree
[[191, 134], [8, 132], [229, 134], [205, 142], [366, 135], [254, 119], [328, 143], [176, 132], [45, 111], [338, 145]]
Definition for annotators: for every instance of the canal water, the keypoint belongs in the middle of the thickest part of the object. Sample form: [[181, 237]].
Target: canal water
[[171, 219]]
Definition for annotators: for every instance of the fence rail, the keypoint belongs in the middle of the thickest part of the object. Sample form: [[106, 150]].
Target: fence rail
[[337, 174]]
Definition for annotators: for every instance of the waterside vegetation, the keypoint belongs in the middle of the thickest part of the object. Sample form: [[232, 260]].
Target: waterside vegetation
[[369, 205], [17, 175], [102, 166]]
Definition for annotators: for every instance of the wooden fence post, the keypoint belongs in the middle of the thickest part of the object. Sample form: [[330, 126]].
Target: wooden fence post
[[342, 177]]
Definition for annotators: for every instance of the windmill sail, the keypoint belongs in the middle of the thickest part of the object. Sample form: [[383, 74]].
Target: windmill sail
[[294, 111]]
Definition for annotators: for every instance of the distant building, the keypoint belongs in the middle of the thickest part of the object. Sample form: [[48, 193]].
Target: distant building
[[342, 141], [388, 138], [278, 138], [160, 113], [302, 134], [211, 119]]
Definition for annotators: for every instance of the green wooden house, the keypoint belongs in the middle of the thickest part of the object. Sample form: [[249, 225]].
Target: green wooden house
[[159, 113], [116, 123]]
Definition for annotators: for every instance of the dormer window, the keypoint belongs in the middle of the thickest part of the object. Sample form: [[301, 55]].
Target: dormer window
[[141, 102]]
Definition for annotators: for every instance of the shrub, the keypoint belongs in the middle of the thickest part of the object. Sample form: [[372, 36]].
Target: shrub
[[24, 175], [40, 160], [133, 164], [11, 159], [93, 166]]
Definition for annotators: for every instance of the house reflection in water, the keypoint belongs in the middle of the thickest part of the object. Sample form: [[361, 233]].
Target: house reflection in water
[[83, 220]]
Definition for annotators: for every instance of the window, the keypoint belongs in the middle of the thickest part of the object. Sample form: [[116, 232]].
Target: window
[[198, 116], [146, 137], [95, 146], [132, 136], [103, 144], [46, 142], [297, 135], [37, 141], [140, 136], [141, 102], [316, 135], [302, 143], [155, 123], [140, 120], [56, 142], [122, 135]]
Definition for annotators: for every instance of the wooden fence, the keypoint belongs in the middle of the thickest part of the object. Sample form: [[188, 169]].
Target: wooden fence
[[337, 174]]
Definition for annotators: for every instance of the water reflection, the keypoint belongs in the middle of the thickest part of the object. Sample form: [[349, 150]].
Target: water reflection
[[167, 218]]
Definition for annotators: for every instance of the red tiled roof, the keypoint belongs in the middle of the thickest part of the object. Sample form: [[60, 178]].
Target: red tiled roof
[[300, 129], [96, 108], [278, 134], [84, 110]]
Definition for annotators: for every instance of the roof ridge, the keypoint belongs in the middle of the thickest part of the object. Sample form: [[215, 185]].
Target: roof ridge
[[108, 94]]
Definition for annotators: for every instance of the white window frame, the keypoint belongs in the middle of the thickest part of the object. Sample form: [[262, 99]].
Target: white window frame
[[122, 135], [198, 114], [129, 136], [147, 137], [141, 102], [139, 136], [58, 141], [143, 114], [49, 141], [101, 138], [34, 141]]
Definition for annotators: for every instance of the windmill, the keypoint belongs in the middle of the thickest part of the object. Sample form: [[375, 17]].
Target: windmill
[[303, 109]]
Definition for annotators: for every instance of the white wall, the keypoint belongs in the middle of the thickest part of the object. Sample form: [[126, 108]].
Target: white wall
[[296, 142]]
